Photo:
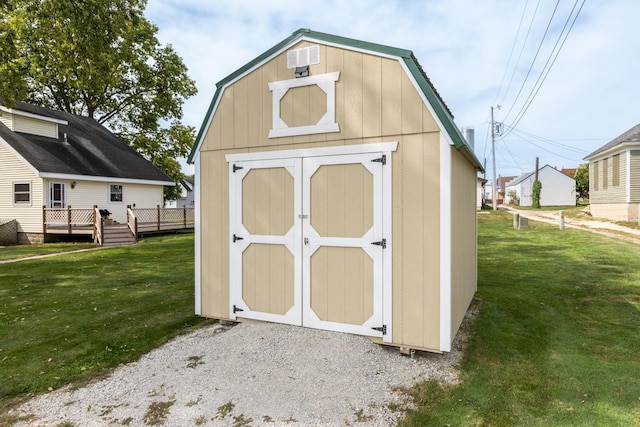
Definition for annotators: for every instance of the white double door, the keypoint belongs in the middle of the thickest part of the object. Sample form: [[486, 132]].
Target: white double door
[[307, 242]]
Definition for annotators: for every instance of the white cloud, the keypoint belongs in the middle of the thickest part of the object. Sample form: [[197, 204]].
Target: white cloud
[[588, 98]]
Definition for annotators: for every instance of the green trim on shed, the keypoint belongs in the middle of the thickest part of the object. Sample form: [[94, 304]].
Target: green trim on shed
[[430, 93]]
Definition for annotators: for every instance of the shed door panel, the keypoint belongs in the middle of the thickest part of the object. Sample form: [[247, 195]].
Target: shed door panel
[[342, 268], [303, 234], [265, 241]]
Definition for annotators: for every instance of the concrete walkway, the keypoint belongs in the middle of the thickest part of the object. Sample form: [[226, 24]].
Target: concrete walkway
[[600, 227], [7, 261]]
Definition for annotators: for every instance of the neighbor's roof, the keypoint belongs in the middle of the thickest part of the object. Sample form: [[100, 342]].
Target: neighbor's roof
[[527, 175], [632, 135], [442, 111], [91, 149]]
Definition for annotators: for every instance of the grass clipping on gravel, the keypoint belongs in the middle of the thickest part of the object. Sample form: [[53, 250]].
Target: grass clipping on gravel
[[556, 341], [74, 317]]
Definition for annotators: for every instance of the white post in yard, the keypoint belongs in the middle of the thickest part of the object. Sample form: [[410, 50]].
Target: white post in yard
[[561, 220]]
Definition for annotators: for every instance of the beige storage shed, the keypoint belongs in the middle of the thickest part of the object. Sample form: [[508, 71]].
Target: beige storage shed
[[334, 191]]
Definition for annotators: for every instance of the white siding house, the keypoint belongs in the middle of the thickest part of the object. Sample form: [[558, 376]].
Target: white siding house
[[614, 178], [558, 189], [53, 159]]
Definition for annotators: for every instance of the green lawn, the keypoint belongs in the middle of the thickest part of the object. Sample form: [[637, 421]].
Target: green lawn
[[557, 341], [74, 317]]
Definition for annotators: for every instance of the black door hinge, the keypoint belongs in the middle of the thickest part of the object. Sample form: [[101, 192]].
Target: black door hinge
[[236, 238], [382, 243], [382, 159], [236, 168], [382, 329], [236, 309]]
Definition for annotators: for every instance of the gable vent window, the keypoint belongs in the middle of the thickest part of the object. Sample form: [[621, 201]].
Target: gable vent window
[[115, 193], [22, 193], [304, 56]]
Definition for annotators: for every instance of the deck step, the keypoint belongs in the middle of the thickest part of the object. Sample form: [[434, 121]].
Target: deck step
[[117, 235]]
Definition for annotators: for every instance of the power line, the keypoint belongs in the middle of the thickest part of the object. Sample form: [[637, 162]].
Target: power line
[[557, 144], [524, 43], [515, 40], [548, 64], [524, 81], [544, 149]]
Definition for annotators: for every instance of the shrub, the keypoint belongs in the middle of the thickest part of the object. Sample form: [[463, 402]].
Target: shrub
[[535, 194]]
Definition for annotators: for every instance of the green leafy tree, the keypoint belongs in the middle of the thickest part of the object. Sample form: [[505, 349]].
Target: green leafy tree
[[582, 182], [101, 59]]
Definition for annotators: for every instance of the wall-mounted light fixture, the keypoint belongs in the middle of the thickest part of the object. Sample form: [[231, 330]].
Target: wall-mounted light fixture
[[73, 184]]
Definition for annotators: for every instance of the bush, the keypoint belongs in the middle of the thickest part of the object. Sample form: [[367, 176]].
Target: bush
[[535, 194]]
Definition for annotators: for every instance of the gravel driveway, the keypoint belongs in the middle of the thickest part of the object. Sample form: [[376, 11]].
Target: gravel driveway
[[251, 374]]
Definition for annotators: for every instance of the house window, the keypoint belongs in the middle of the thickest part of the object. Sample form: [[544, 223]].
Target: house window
[[115, 193], [22, 193], [596, 173], [605, 174], [615, 181]]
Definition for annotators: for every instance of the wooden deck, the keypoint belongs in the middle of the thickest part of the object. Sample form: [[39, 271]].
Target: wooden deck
[[84, 221]]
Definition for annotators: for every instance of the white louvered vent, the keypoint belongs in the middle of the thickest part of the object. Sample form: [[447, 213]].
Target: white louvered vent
[[304, 56]]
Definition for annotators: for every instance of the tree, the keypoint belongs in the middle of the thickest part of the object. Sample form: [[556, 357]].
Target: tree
[[582, 182], [102, 59]]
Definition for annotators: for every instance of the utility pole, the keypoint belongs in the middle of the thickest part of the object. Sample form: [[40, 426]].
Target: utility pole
[[493, 154]]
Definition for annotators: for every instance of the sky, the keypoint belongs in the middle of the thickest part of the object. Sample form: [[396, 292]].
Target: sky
[[564, 73]]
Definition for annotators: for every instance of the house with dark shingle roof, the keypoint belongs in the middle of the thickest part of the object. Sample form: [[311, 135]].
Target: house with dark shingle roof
[[614, 178], [334, 191], [54, 159]]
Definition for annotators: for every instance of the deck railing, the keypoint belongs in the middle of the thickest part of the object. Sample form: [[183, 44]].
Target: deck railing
[[67, 217], [89, 221], [98, 227], [132, 222], [159, 219]]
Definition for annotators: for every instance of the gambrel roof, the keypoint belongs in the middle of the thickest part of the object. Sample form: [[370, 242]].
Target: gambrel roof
[[84, 148], [630, 136], [442, 112]]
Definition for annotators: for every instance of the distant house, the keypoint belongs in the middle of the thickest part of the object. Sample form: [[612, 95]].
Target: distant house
[[186, 199], [500, 186], [53, 159], [558, 189], [614, 178], [480, 183]]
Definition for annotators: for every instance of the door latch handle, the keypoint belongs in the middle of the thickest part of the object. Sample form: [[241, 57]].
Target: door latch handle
[[382, 243], [306, 240]]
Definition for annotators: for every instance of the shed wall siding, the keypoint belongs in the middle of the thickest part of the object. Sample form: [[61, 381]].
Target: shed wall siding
[[374, 98], [13, 170], [464, 237], [416, 242], [34, 126], [214, 225]]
